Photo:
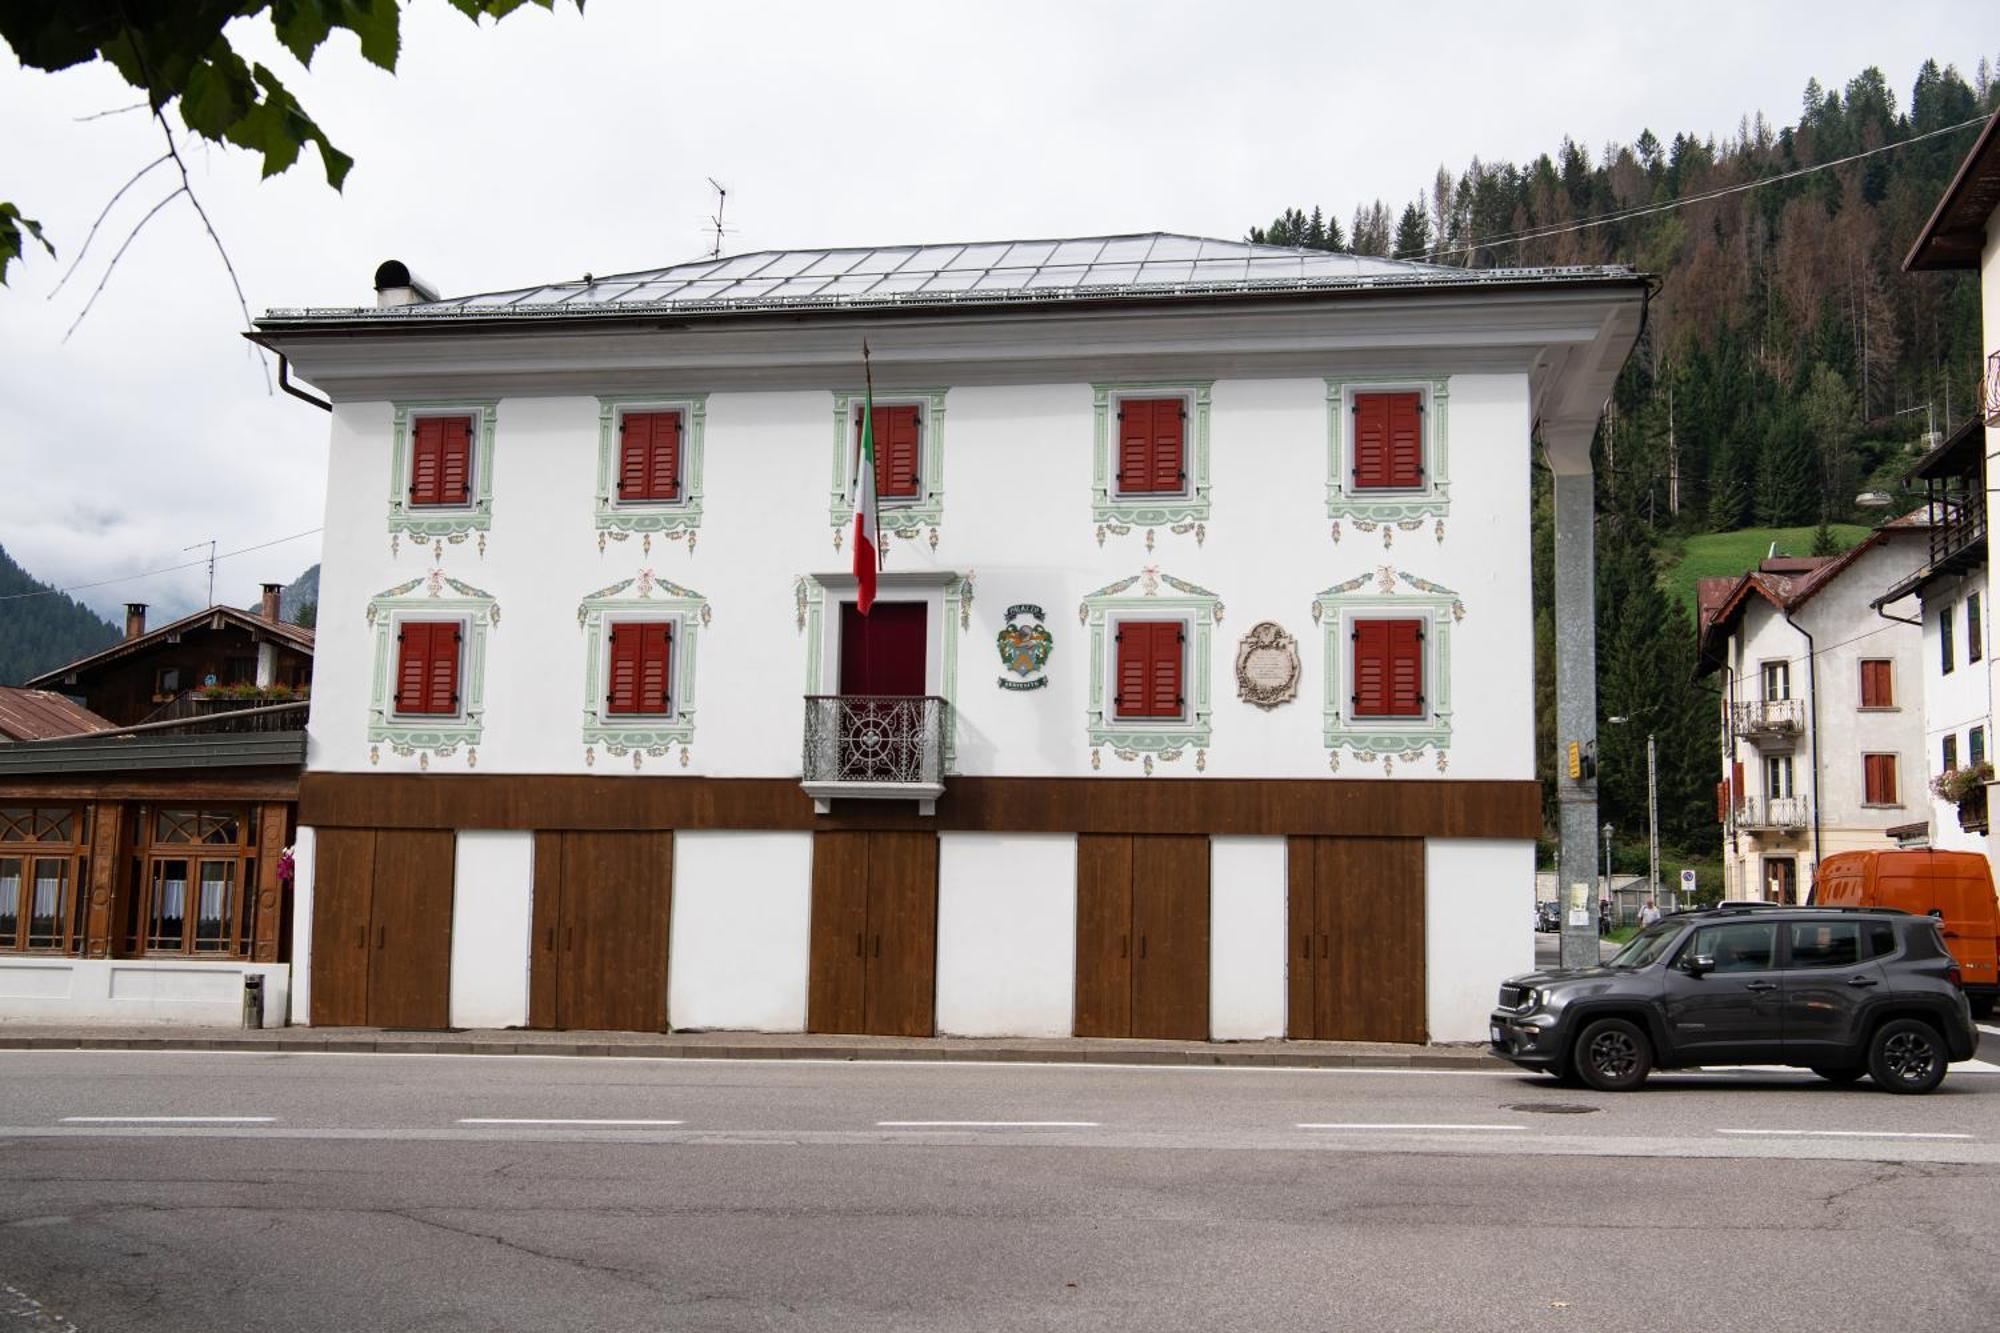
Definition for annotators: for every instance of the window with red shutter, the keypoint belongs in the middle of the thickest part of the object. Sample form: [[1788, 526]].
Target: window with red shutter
[[1388, 668], [898, 450], [427, 657], [1878, 772], [640, 658], [649, 457], [1152, 446], [441, 461], [1388, 441], [1148, 668], [1877, 684]]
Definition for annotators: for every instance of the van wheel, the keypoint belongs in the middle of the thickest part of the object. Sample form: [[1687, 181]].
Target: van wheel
[[1906, 1055], [1612, 1055], [1840, 1073]]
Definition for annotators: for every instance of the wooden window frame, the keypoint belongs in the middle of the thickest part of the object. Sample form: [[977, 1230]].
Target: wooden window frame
[[1773, 765], [1887, 702], [1948, 753], [1975, 746], [1185, 634], [470, 488], [397, 645], [72, 853], [619, 495], [1975, 628], [1120, 490], [1779, 669], [1947, 616], [1869, 793], [665, 713], [1354, 661], [152, 852], [1398, 484]]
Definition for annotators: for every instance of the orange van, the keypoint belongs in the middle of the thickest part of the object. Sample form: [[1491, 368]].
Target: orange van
[[1955, 887]]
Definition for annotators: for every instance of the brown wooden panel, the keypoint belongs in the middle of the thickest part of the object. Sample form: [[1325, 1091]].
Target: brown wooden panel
[[274, 833], [1103, 935], [107, 850], [616, 893], [177, 785], [544, 930], [1371, 901], [343, 895], [409, 967], [1170, 919], [1359, 807], [837, 976], [1301, 943], [900, 996]]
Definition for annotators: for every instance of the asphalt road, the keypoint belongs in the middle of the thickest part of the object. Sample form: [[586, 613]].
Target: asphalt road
[[331, 1192]]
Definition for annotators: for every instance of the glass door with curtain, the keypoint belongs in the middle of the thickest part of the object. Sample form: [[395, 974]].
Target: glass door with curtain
[[42, 871], [198, 863]]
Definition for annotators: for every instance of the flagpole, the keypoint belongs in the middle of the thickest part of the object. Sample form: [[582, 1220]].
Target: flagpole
[[868, 378]]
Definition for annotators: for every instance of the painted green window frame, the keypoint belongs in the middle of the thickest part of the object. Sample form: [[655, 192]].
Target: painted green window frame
[[654, 600], [903, 518], [439, 523], [810, 594], [436, 735], [1387, 510], [1387, 594], [1151, 737], [678, 519], [1115, 513]]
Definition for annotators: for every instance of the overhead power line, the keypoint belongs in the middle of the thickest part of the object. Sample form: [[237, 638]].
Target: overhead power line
[[164, 569]]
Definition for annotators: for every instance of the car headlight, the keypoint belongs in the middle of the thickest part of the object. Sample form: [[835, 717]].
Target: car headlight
[[1531, 1000]]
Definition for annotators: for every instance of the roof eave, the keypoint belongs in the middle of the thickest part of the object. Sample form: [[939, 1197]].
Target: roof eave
[[1940, 246]]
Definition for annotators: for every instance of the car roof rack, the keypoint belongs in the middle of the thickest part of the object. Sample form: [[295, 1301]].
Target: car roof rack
[[1751, 909]]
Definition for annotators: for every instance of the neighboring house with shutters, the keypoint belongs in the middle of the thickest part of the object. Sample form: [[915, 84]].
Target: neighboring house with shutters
[[1196, 701], [1822, 724], [143, 830]]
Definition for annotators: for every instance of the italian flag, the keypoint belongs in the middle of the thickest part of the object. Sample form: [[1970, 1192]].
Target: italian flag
[[866, 531]]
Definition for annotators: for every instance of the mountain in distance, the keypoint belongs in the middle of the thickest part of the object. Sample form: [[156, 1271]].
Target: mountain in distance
[[41, 629]]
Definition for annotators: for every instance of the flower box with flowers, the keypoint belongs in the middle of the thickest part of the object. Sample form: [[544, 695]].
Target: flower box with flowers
[[1966, 788]]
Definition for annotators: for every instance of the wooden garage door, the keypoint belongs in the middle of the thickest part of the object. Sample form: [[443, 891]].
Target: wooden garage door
[[602, 908], [1356, 908], [1142, 950], [382, 902], [873, 966]]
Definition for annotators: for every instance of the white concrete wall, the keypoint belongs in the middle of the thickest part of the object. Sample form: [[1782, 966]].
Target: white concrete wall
[[1246, 932], [1479, 896], [740, 946], [1006, 935], [1017, 484], [84, 991], [303, 848], [1957, 701], [492, 914]]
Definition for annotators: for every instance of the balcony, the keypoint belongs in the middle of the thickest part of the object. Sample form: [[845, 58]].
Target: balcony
[[1989, 391], [1768, 720], [1773, 813], [874, 747]]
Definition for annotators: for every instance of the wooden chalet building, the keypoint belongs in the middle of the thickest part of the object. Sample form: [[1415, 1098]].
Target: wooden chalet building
[[1197, 700]]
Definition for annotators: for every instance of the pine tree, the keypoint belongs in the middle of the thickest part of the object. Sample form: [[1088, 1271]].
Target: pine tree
[[1413, 233]]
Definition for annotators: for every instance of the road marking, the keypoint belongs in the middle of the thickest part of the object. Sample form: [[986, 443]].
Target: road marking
[[1366, 1125], [986, 1124], [536, 1120], [1843, 1133], [1989, 1029], [168, 1119]]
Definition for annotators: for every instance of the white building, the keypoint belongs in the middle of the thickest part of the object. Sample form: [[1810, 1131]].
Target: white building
[[1822, 718], [1197, 700]]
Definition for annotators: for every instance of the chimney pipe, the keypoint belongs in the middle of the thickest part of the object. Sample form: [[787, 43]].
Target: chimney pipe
[[135, 619], [272, 592], [396, 285]]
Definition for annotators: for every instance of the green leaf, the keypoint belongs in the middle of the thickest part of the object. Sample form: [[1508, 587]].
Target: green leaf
[[378, 23], [217, 94], [302, 25], [278, 127], [12, 224]]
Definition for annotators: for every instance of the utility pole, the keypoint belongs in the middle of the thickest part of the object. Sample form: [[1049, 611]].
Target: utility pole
[[1653, 815], [1607, 872], [210, 544]]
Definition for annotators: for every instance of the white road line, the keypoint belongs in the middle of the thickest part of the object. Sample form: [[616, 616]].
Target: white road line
[[986, 1124], [1367, 1125], [534, 1120], [1842, 1133], [1989, 1029], [168, 1119]]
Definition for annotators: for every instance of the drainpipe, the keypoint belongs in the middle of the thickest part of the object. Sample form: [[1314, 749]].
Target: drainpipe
[[1812, 686], [285, 383]]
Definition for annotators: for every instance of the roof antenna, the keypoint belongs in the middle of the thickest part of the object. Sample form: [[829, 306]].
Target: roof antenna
[[715, 218]]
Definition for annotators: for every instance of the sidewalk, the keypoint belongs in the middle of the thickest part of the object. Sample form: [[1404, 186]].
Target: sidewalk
[[752, 1046]]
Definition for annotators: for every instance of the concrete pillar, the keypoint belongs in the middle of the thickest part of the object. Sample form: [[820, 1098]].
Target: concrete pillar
[[1576, 707]]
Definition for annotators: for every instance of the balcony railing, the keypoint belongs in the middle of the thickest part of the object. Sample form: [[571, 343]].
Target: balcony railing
[[874, 746], [1989, 391], [1773, 812], [1772, 719]]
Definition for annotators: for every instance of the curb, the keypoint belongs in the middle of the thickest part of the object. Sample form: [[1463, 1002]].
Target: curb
[[1221, 1056]]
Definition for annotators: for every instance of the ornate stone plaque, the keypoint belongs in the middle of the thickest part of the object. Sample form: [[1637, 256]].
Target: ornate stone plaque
[[1267, 666]]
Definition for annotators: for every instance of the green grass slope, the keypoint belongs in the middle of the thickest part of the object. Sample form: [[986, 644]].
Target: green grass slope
[[1714, 554]]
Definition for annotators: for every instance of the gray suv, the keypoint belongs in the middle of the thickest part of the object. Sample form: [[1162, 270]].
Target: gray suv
[[1840, 991]]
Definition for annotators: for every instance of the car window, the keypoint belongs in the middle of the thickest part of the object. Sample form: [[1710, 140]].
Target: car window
[[1738, 947], [1881, 939], [1825, 943], [1647, 947]]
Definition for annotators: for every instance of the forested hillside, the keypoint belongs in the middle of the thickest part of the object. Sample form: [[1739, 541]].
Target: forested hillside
[[38, 632], [1787, 364]]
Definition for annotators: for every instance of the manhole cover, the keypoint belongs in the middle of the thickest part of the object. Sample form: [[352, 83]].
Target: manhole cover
[[1554, 1108]]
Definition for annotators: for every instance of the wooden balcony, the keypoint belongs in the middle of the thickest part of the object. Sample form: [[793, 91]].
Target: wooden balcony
[[874, 747]]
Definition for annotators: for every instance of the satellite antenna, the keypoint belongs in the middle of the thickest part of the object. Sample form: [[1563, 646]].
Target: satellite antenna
[[715, 218]]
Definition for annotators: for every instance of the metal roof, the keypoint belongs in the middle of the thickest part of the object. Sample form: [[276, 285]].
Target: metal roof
[[120, 753], [1154, 264], [33, 715]]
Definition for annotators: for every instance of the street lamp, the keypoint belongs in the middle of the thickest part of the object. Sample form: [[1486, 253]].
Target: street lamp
[[1652, 811]]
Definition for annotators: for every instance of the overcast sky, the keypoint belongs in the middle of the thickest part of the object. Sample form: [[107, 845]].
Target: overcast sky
[[554, 145]]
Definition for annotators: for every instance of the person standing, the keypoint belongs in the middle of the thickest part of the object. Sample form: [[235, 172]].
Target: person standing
[[1649, 915]]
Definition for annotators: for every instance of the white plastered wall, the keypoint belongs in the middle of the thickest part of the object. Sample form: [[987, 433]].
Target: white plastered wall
[[1006, 934], [740, 942], [303, 861], [492, 914], [1479, 895], [1246, 938], [85, 991]]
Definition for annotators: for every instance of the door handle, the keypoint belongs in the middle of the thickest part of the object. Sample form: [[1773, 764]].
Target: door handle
[[857, 946], [1861, 981], [1124, 946], [361, 936], [569, 939], [1142, 946], [381, 936], [549, 941], [878, 945], [1760, 985], [1308, 947], [1322, 947]]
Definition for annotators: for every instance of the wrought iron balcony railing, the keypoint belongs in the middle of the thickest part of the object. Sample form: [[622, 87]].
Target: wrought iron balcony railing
[[1773, 719], [874, 746], [1989, 391], [1773, 812]]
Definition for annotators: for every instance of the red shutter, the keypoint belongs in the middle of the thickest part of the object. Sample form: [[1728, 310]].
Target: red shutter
[[649, 456], [1722, 802], [1876, 690], [413, 655], [426, 450], [1388, 668], [641, 655], [443, 694], [897, 430], [663, 480], [1152, 445], [1388, 441], [1879, 778], [621, 681], [1149, 668], [1736, 783], [427, 667], [441, 461]]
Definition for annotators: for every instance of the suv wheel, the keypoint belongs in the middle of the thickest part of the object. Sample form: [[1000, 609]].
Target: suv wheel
[[1906, 1055], [1612, 1055]]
